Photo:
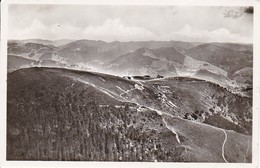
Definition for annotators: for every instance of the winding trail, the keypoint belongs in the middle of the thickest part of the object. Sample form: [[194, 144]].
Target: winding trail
[[248, 144], [173, 131], [118, 97], [124, 91], [223, 146], [123, 99]]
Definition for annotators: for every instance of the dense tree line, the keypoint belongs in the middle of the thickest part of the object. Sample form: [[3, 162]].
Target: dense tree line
[[64, 120]]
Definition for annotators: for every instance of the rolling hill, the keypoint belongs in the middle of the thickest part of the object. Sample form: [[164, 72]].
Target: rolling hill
[[244, 76], [245, 48], [87, 50], [16, 62], [62, 114], [55, 43], [167, 61], [229, 59], [29, 50]]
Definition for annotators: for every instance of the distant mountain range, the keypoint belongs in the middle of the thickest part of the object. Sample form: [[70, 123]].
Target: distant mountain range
[[55, 43], [229, 57], [220, 63]]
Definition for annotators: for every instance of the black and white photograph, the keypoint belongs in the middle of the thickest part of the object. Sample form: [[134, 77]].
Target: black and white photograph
[[129, 83]]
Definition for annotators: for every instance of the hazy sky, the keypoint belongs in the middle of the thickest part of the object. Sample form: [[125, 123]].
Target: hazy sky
[[130, 23]]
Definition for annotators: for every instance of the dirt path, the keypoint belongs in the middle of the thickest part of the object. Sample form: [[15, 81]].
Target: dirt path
[[223, 146]]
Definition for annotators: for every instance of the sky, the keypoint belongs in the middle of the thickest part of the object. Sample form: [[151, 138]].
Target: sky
[[130, 23]]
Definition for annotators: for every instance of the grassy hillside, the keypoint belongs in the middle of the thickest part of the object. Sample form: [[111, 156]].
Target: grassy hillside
[[197, 139], [185, 97]]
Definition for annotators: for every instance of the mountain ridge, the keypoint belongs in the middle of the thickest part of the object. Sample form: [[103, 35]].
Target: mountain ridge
[[71, 90]]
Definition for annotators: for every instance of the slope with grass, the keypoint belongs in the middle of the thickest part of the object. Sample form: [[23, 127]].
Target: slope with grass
[[225, 145], [16, 62], [185, 97]]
